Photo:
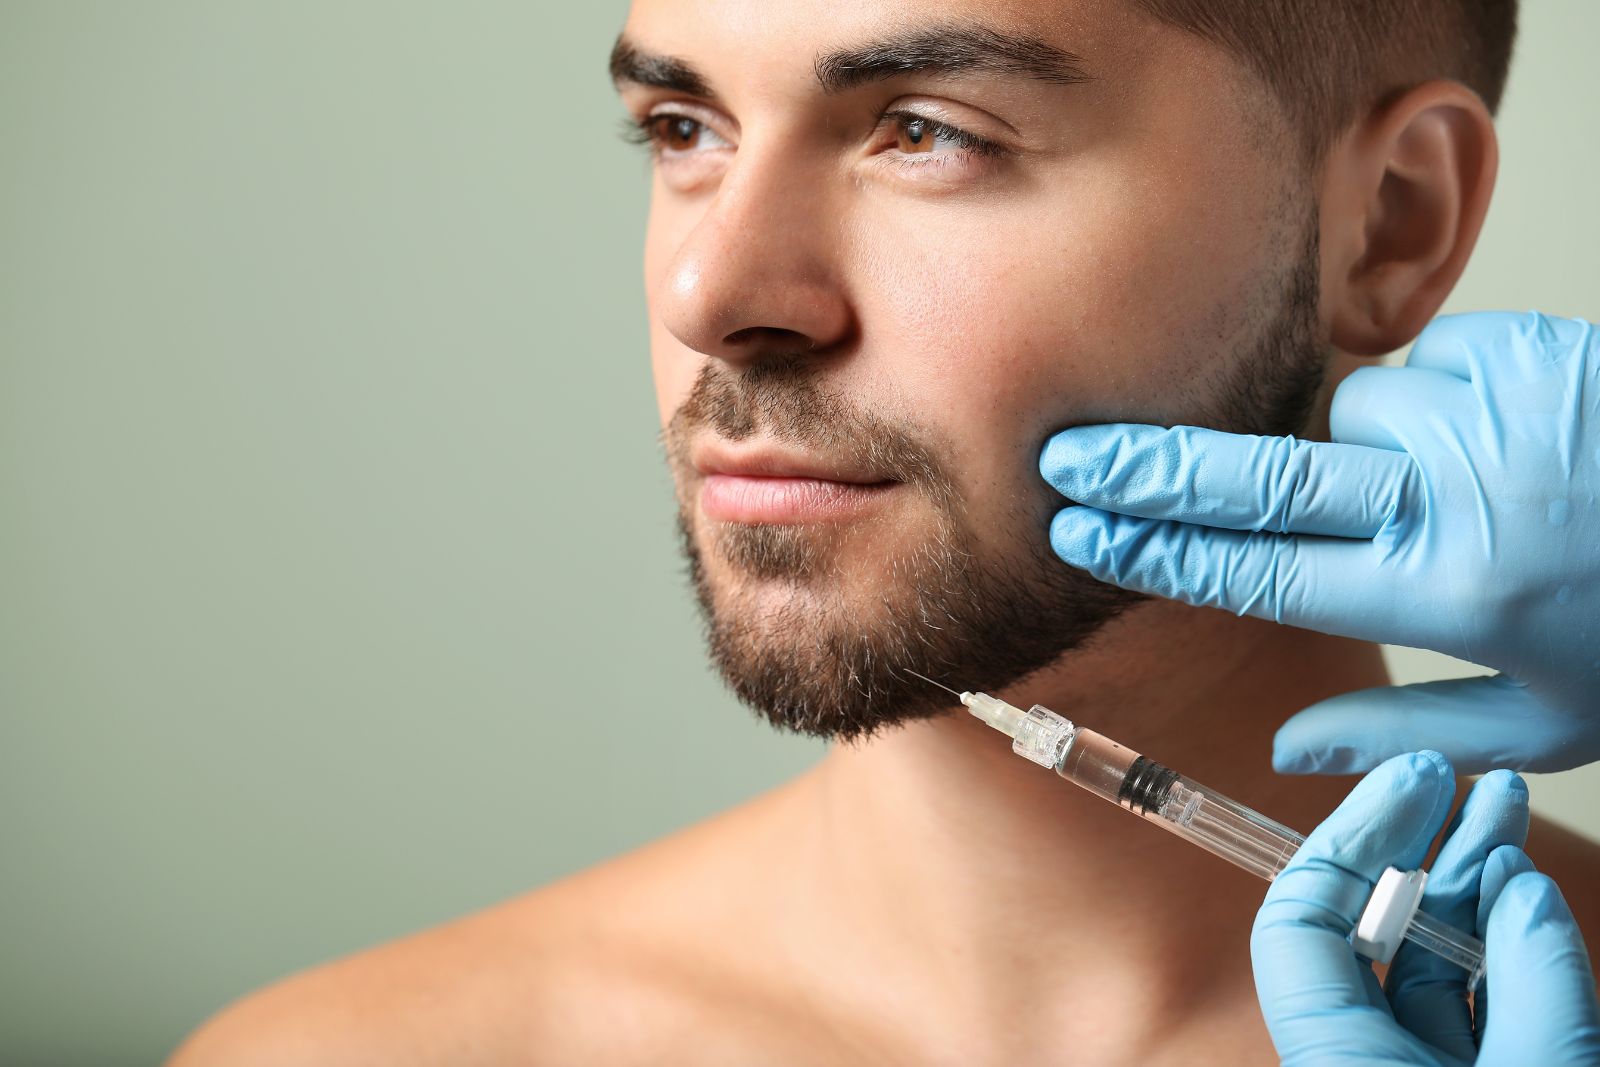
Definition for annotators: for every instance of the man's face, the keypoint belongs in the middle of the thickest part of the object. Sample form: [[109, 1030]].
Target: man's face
[[890, 250]]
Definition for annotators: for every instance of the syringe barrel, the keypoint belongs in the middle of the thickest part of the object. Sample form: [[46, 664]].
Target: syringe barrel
[[1179, 804], [1097, 763], [1224, 827]]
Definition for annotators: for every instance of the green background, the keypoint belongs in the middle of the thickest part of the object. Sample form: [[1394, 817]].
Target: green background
[[338, 589]]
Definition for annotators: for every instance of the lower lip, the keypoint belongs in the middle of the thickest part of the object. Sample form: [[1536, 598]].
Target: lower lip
[[736, 498]]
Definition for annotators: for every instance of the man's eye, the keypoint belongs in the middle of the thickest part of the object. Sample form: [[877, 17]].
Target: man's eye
[[676, 133], [670, 133], [918, 135]]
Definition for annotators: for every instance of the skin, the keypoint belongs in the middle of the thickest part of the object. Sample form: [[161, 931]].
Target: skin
[[925, 897]]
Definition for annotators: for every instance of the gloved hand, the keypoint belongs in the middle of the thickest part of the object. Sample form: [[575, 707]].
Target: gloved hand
[[1322, 1002], [1457, 508]]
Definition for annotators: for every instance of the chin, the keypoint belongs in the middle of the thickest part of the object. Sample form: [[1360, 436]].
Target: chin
[[845, 589]]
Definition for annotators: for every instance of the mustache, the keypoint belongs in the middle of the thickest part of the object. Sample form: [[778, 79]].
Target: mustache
[[783, 397]]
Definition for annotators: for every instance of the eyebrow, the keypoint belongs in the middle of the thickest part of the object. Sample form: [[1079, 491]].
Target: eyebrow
[[630, 64], [952, 48]]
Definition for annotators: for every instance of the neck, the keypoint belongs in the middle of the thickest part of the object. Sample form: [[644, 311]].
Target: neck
[[1006, 879]]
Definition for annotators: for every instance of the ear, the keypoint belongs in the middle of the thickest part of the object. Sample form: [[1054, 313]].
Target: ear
[[1404, 196]]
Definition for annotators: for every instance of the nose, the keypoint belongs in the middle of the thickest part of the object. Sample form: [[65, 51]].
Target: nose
[[758, 274]]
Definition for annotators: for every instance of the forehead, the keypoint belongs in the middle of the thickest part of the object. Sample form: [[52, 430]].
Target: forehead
[[757, 19]]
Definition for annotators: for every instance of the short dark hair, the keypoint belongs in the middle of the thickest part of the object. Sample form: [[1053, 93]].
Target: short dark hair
[[1327, 61]]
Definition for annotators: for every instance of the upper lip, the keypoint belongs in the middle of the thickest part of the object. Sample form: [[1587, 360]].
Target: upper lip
[[768, 460]]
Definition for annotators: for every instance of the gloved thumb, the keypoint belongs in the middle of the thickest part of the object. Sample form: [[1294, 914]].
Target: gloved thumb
[[1306, 972], [1541, 991], [1478, 723]]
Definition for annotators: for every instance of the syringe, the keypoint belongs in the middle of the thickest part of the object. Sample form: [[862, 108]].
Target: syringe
[[1181, 805]]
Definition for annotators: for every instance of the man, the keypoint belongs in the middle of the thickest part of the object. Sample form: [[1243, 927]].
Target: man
[[891, 250]]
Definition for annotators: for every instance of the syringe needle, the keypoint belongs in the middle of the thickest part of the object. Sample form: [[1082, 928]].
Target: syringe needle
[[930, 681]]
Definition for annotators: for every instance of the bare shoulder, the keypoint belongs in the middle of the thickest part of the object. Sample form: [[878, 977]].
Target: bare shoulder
[[624, 963]]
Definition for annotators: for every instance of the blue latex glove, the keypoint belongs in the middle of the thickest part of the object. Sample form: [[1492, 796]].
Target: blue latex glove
[[1457, 508], [1322, 1002]]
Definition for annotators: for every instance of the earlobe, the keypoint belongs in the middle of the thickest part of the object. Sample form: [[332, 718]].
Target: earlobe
[[1406, 194]]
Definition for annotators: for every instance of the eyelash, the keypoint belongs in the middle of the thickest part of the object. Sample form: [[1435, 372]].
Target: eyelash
[[642, 131]]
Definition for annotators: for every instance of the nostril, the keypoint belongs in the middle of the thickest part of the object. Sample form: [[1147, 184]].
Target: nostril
[[790, 340]]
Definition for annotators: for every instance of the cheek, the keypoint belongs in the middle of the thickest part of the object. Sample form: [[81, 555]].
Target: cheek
[[1109, 306], [1011, 326]]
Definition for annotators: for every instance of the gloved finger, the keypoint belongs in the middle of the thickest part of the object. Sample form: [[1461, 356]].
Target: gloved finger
[[1465, 345], [1449, 342], [1478, 723], [1543, 993], [1304, 966], [1429, 994], [1373, 405], [1234, 481], [1503, 864], [1320, 583]]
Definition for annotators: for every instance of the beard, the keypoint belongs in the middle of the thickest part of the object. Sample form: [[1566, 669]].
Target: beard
[[949, 606]]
